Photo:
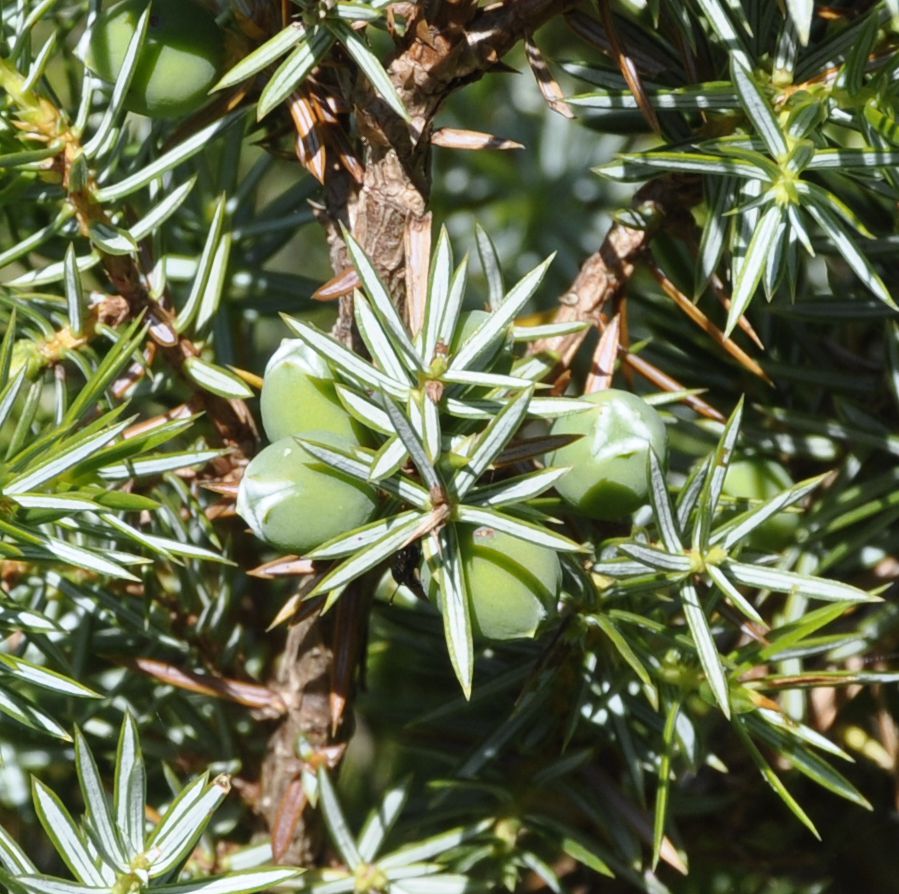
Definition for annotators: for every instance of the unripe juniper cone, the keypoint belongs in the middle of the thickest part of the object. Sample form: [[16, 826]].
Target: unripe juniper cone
[[609, 462], [182, 56], [757, 478], [512, 585], [296, 502], [298, 397]]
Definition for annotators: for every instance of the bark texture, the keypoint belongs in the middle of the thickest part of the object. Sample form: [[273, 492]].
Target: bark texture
[[447, 45], [303, 682]]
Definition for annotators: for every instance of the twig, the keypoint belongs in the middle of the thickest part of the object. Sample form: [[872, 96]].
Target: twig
[[603, 276]]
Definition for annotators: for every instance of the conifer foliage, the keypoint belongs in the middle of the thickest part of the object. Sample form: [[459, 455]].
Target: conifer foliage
[[448, 446]]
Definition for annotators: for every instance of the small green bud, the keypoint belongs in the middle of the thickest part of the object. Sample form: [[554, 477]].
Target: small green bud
[[26, 353]]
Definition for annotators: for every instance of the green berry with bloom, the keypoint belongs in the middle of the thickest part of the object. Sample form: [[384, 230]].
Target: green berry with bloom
[[608, 476], [182, 57]]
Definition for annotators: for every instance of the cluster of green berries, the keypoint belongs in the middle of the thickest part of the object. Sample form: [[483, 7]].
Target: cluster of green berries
[[289, 498], [296, 502]]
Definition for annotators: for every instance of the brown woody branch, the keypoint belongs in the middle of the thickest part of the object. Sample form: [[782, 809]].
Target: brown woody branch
[[599, 286], [231, 418], [448, 47], [447, 44]]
